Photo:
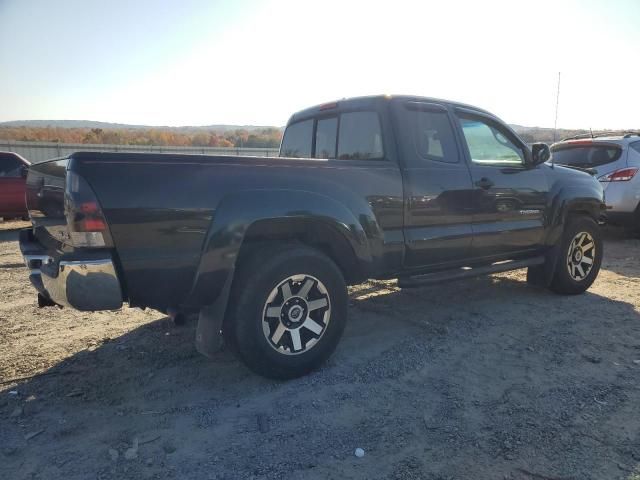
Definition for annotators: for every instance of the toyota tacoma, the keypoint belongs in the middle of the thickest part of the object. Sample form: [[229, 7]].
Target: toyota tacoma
[[262, 249]]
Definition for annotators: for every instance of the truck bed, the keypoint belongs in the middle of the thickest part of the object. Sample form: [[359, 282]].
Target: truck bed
[[164, 209]]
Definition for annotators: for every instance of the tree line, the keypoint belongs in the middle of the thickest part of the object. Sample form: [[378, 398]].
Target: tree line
[[258, 138]]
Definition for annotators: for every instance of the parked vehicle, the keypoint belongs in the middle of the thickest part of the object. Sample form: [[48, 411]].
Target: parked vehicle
[[614, 158], [413, 188], [13, 173]]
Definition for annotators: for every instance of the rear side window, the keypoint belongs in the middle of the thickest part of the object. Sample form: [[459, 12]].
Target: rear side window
[[297, 140], [433, 136], [10, 166], [326, 133], [585, 156], [636, 146], [360, 136]]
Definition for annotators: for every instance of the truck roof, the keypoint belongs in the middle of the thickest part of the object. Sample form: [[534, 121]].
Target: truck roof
[[372, 101]]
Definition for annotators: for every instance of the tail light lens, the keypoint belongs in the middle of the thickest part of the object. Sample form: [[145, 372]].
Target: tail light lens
[[85, 221], [622, 175]]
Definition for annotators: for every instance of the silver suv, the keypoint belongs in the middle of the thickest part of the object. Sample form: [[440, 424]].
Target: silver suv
[[614, 157]]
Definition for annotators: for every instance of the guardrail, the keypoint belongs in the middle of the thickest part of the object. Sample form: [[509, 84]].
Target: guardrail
[[38, 151]]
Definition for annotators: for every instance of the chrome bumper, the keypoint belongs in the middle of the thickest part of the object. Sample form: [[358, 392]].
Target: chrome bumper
[[84, 285], [87, 285]]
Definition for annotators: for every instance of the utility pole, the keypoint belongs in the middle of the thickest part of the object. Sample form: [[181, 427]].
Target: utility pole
[[555, 123]]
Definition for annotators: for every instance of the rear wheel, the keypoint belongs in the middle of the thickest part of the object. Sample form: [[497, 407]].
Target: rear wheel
[[580, 257], [289, 311]]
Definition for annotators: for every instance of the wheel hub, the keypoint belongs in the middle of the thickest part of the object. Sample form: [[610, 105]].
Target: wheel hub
[[293, 312], [577, 255]]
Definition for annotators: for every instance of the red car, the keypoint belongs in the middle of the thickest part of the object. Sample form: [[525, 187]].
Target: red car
[[13, 175]]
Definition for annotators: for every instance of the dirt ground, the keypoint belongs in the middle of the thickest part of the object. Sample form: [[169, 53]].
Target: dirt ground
[[482, 379]]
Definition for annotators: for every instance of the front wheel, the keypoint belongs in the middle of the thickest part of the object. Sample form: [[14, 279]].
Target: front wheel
[[289, 311], [580, 253]]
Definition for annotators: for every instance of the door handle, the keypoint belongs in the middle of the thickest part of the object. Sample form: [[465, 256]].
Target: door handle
[[484, 183]]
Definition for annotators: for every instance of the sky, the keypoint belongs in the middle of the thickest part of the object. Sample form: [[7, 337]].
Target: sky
[[203, 62]]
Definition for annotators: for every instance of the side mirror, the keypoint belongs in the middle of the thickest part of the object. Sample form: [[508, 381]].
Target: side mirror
[[540, 153], [24, 171]]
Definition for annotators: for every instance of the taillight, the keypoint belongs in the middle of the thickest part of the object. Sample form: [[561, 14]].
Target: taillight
[[622, 175], [91, 224], [85, 220]]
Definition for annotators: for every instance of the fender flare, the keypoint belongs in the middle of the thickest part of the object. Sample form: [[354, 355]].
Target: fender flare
[[237, 212], [568, 199], [572, 198]]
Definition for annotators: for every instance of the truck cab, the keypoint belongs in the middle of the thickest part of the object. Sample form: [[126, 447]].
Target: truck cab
[[472, 190]]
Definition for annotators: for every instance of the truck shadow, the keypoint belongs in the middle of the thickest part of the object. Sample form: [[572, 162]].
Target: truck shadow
[[501, 351], [9, 235]]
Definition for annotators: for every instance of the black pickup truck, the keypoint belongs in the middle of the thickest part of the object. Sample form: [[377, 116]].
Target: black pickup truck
[[413, 188]]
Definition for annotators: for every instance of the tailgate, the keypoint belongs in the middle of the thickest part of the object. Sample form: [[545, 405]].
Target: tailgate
[[45, 200]]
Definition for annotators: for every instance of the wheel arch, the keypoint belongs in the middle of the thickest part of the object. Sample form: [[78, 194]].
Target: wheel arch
[[245, 220], [571, 201], [314, 233]]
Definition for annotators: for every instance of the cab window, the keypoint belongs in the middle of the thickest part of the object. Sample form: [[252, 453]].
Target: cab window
[[360, 136], [326, 133], [297, 140], [433, 136], [10, 166], [488, 143]]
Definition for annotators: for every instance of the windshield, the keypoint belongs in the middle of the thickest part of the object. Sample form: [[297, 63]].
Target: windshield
[[586, 156]]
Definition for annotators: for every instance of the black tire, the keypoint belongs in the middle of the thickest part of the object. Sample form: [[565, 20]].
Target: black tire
[[266, 272], [635, 225], [563, 281]]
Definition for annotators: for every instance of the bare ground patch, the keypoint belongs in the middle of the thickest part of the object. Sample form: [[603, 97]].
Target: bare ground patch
[[486, 378]]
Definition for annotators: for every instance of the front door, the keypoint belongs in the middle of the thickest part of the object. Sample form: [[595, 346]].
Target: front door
[[509, 195]]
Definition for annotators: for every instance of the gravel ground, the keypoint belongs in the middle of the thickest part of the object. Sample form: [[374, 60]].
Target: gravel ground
[[486, 378]]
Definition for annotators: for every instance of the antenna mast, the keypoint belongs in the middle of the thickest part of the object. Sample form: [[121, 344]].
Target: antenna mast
[[555, 123]]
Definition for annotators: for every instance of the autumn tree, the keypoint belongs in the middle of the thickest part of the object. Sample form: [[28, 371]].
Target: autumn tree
[[255, 138]]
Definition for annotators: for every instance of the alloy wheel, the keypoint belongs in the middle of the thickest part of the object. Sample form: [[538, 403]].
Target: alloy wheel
[[296, 314], [581, 256]]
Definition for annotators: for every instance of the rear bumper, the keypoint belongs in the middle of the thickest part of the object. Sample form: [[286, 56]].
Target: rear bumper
[[622, 197], [84, 282]]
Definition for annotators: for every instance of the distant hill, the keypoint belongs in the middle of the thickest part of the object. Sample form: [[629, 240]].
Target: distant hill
[[125, 126], [89, 131], [544, 134]]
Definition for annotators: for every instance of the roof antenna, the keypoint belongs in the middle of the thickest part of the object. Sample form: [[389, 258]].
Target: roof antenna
[[555, 123]]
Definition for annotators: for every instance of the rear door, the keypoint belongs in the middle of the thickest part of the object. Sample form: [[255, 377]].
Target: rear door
[[357, 142], [509, 196], [12, 184], [438, 187]]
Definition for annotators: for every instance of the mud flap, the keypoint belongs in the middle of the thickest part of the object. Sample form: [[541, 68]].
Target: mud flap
[[542, 275], [209, 330], [551, 263]]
